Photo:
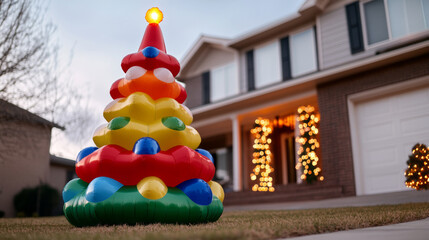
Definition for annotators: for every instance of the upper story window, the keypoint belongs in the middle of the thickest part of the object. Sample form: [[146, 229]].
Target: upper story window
[[267, 64], [223, 82], [391, 19], [303, 56], [292, 56]]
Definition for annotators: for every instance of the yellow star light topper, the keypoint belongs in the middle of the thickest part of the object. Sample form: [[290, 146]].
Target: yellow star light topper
[[154, 15]]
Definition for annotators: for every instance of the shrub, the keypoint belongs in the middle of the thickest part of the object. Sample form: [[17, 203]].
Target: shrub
[[26, 201]]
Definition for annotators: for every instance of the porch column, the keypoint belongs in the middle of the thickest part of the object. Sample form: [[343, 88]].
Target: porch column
[[236, 154]]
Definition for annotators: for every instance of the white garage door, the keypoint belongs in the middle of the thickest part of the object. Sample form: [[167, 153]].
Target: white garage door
[[386, 128]]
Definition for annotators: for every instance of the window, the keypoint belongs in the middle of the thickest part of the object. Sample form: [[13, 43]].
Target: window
[[224, 82], [281, 60], [391, 19], [267, 64], [303, 52], [223, 162], [375, 21]]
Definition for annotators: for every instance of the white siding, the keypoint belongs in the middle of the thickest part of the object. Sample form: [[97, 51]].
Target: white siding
[[210, 58], [335, 40]]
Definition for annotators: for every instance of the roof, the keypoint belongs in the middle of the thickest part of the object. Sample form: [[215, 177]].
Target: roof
[[202, 42], [9, 111], [62, 161], [307, 12]]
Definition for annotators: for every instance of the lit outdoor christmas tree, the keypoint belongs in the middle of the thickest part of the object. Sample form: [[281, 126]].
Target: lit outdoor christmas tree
[[417, 173], [308, 160], [262, 156]]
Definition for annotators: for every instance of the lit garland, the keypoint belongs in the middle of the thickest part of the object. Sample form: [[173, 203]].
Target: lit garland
[[262, 156], [287, 121], [307, 151], [417, 173]]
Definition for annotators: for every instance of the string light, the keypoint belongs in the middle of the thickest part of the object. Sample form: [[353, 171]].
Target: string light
[[308, 159], [417, 172], [262, 156], [287, 121]]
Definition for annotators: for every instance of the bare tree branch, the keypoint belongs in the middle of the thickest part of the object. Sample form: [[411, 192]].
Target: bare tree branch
[[29, 70]]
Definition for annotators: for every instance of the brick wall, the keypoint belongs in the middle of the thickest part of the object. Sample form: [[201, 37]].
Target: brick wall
[[335, 138]]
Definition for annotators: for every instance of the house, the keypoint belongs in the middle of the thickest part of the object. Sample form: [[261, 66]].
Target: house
[[363, 66], [61, 171], [25, 161]]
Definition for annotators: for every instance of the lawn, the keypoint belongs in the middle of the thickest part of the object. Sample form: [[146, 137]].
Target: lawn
[[232, 225]]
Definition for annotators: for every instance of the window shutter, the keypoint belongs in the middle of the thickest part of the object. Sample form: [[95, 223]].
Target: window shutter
[[250, 70], [355, 27], [206, 87], [286, 69]]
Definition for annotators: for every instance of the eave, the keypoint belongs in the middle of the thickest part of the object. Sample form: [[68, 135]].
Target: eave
[[301, 84]]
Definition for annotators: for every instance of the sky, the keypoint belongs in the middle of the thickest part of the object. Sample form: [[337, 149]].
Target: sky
[[95, 35]]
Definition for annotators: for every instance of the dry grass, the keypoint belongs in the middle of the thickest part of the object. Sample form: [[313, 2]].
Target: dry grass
[[232, 225]]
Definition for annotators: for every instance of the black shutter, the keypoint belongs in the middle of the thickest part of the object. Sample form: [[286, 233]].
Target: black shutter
[[355, 27], [206, 87], [316, 47], [250, 71], [286, 70]]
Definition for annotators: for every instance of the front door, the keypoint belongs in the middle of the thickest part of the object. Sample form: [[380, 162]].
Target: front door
[[288, 157]]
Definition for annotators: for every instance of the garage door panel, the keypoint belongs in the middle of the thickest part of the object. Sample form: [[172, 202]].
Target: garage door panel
[[379, 108], [384, 183], [378, 131], [380, 158], [387, 128], [412, 100], [414, 125]]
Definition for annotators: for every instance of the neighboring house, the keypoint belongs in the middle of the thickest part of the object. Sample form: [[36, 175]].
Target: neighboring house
[[25, 161], [363, 65], [61, 171]]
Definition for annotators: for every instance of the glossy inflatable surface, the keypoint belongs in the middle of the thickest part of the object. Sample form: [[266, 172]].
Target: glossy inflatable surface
[[138, 115], [146, 167], [127, 206], [173, 166]]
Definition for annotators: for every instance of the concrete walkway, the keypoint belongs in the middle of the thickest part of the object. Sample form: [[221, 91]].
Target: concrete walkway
[[358, 201], [416, 230]]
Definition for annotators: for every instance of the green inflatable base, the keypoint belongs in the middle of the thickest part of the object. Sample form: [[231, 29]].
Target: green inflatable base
[[127, 206]]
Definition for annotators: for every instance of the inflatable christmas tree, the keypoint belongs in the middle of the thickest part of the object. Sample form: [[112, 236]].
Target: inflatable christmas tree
[[146, 167]]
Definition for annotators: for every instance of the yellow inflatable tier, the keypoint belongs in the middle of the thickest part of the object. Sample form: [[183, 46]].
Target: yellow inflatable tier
[[138, 115]]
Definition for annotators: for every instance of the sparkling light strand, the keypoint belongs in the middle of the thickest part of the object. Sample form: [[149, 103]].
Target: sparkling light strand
[[262, 156], [308, 159]]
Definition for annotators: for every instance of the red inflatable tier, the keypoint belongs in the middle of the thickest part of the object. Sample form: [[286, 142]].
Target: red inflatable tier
[[162, 60], [152, 53], [173, 166]]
